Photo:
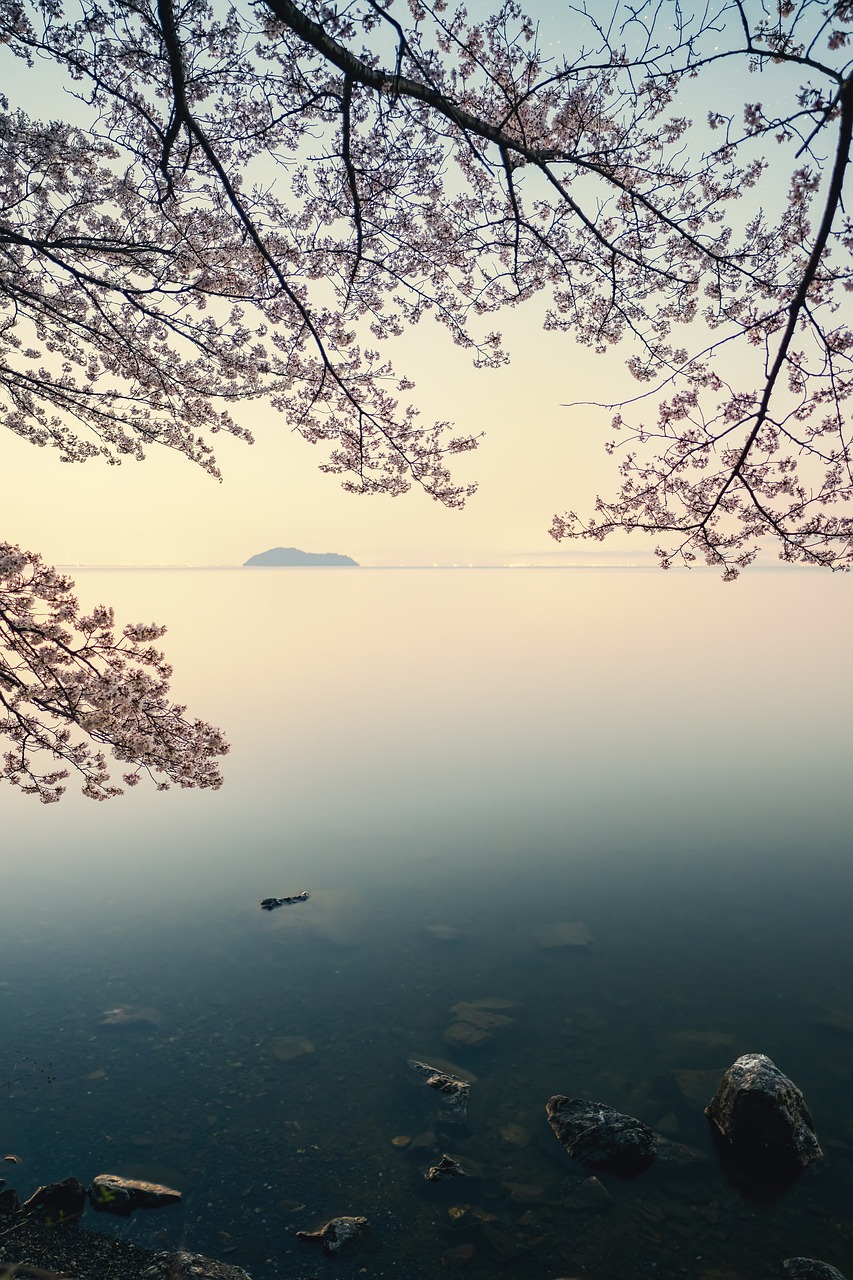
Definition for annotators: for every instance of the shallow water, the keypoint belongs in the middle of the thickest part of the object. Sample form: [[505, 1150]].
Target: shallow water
[[451, 763]]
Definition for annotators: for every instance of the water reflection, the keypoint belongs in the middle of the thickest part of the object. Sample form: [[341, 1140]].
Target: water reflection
[[615, 802]]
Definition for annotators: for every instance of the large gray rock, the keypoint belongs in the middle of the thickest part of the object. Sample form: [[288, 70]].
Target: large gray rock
[[810, 1269], [763, 1116], [110, 1193], [191, 1266], [598, 1137]]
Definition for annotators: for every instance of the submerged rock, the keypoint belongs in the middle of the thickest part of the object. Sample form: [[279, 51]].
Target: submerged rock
[[838, 1020], [286, 1048], [451, 1092], [110, 1193], [130, 1015], [446, 932], [57, 1201], [696, 1086], [763, 1115], [563, 933], [810, 1269], [597, 1136], [477, 1022], [589, 1196], [191, 1266], [338, 1234], [447, 1167]]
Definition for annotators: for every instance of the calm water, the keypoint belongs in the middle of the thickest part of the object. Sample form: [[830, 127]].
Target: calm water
[[452, 763]]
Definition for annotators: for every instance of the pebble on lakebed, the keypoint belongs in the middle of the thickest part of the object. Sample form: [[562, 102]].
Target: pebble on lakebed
[[129, 1015], [287, 1048]]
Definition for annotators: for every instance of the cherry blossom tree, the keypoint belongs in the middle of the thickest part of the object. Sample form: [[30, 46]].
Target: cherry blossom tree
[[253, 200]]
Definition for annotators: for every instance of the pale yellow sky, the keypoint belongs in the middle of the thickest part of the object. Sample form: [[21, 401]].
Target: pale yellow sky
[[536, 458]]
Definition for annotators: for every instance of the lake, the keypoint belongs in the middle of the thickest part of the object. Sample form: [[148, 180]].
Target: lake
[[457, 765]]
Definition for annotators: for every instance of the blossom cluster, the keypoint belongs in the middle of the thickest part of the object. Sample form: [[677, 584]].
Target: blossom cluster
[[73, 688]]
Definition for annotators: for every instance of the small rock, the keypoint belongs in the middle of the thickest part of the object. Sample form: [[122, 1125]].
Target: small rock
[[110, 1193], [513, 1135], [426, 1141], [589, 1196], [810, 1269], [270, 904], [445, 932], [130, 1015], [191, 1266], [476, 1024], [287, 1048], [763, 1115], [447, 1167], [595, 1135], [58, 1201], [338, 1234], [565, 933], [451, 1092]]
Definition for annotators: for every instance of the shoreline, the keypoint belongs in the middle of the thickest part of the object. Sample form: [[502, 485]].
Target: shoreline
[[34, 1251]]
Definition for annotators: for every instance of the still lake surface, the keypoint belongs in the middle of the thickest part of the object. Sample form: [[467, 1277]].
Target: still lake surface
[[451, 763]]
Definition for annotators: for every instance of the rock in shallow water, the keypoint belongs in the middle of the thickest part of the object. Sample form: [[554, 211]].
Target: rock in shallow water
[[451, 1092], [597, 1136], [338, 1234], [130, 1015], [477, 1022], [447, 1167], [110, 1193], [287, 1048], [763, 1115]]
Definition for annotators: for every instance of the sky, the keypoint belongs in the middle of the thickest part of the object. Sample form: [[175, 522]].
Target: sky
[[537, 457]]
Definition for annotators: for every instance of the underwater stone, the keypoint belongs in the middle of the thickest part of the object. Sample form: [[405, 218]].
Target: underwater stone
[[763, 1115], [451, 1091], [476, 1022], [595, 1135], [447, 1167], [338, 1234]]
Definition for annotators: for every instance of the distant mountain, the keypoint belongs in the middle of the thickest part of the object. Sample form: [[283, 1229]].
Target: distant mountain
[[292, 557]]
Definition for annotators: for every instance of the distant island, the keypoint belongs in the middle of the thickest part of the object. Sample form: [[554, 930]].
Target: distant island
[[292, 557]]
